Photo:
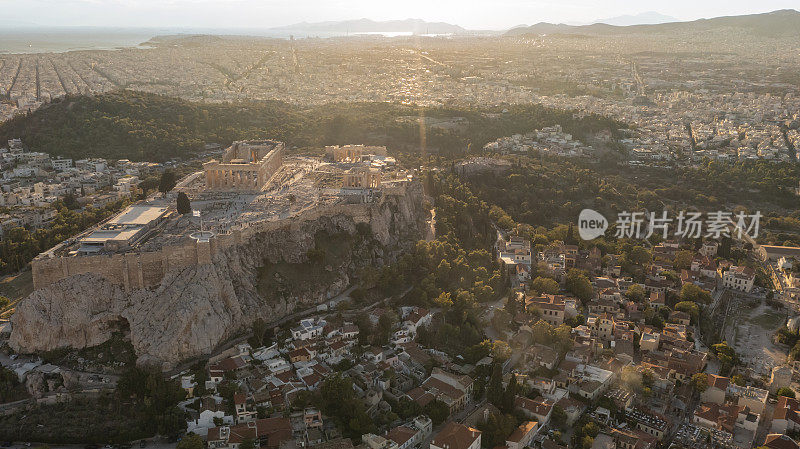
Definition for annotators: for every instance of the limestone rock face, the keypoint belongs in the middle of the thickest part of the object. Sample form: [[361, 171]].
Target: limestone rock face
[[195, 309]]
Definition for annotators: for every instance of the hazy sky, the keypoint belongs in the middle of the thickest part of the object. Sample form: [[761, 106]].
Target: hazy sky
[[484, 14]]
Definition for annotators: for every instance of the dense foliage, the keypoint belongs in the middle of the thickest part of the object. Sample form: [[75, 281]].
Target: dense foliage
[[11, 389], [144, 404], [338, 400], [19, 245], [143, 126], [455, 272], [543, 191]]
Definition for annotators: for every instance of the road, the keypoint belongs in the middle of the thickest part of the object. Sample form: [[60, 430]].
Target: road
[[490, 308]]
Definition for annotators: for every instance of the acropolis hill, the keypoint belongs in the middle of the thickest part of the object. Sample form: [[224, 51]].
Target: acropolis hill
[[179, 285]]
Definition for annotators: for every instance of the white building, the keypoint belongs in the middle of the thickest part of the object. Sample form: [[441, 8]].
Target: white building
[[308, 329], [739, 278], [61, 164]]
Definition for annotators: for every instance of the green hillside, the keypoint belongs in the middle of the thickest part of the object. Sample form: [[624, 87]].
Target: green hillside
[[141, 126]]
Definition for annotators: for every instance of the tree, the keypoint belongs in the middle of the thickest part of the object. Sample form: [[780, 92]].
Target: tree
[[167, 182], [437, 411], [571, 238], [683, 260], [691, 292], [510, 394], [559, 417], [786, 391], [158, 397], [700, 382], [406, 408], [635, 293], [639, 255], [501, 351], [496, 429], [184, 205], [500, 217], [631, 379], [385, 327], [578, 284], [544, 285], [365, 327], [444, 301], [689, 307], [494, 392], [591, 429], [11, 389], [339, 401], [247, 444], [262, 335], [726, 355], [191, 441]]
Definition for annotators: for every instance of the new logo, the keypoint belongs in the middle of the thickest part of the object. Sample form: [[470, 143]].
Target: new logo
[[591, 224]]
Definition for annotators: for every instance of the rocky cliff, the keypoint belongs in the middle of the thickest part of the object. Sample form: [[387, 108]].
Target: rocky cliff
[[196, 308]]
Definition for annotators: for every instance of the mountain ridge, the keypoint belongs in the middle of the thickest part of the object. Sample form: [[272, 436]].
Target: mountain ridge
[[784, 22], [364, 25], [643, 18]]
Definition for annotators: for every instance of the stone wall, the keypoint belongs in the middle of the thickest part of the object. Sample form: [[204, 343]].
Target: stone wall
[[131, 270], [200, 295], [135, 270]]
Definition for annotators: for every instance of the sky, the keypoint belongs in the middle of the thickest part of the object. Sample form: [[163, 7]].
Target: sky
[[471, 14]]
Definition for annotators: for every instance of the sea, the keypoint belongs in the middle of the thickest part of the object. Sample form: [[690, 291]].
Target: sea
[[59, 40]]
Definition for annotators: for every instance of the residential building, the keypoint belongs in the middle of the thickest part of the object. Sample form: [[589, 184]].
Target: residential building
[[456, 436]]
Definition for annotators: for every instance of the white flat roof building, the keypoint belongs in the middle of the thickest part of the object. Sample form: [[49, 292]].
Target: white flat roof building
[[124, 229]]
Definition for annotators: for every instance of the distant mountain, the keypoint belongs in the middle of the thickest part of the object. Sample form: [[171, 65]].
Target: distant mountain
[[415, 26], [15, 23], [645, 18], [782, 23]]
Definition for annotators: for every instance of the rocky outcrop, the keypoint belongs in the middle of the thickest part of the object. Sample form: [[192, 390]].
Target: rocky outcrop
[[196, 308]]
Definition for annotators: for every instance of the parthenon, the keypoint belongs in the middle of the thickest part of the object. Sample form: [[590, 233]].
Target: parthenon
[[352, 153], [246, 165]]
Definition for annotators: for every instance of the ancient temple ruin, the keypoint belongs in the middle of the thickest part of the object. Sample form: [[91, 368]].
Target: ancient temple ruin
[[353, 153], [245, 165], [362, 178]]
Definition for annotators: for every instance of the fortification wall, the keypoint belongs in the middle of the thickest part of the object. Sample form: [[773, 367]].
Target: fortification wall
[[132, 270], [135, 270]]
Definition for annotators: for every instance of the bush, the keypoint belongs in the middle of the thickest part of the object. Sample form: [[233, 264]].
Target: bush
[[786, 391], [184, 205]]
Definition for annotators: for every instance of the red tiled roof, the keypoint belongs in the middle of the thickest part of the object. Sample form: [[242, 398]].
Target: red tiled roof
[[443, 387], [520, 432], [718, 381], [780, 441], [401, 434], [787, 409], [540, 407], [228, 364], [312, 379], [455, 436]]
